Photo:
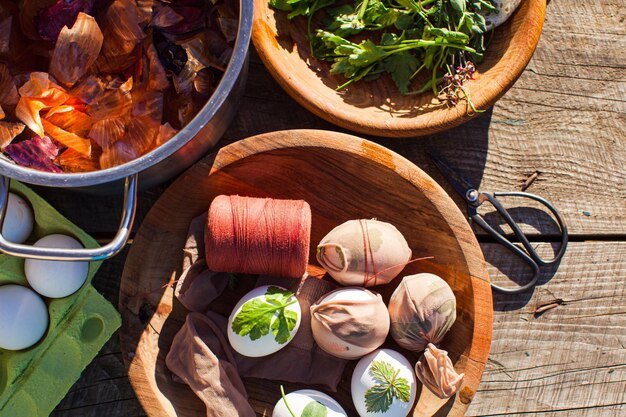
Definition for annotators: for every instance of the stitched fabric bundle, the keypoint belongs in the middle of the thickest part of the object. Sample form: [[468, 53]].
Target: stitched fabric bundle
[[350, 322], [364, 252], [422, 310]]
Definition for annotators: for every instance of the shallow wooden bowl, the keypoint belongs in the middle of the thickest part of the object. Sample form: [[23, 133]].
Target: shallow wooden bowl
[[342, 177], [377, 108]]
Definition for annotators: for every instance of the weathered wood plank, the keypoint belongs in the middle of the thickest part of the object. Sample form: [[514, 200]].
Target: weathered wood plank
[[565, 118], [610, 411], [109, 287], [116, 408], [572, 358]]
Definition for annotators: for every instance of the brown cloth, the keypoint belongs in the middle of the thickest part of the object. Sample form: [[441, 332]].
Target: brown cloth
[[197, 286], [436, 371], [201, 355]]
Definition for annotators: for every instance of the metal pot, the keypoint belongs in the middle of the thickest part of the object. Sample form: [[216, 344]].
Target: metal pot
[[193, 141]]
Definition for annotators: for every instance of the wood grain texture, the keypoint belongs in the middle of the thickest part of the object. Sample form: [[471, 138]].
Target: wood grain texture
[[570, 359], [377, 107], [342, 177]]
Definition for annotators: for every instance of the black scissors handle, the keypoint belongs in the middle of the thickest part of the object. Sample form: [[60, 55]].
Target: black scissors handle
[[477, 218], [530, 257], [564, 235]]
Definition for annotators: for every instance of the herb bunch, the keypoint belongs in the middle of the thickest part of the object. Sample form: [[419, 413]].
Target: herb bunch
[[436, 39]]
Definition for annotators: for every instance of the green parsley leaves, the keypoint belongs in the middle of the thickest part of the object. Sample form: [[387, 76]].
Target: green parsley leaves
[[255, 317], [388, 386], [432, 39]]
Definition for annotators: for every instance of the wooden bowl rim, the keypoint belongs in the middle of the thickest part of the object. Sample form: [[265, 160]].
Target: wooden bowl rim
[[338, 112], [140, 377]]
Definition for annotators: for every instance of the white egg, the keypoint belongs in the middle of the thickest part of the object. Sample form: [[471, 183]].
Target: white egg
[[23, 317], [263, 344], [56, 279], [365, 382], [299, 400], [19, 221]]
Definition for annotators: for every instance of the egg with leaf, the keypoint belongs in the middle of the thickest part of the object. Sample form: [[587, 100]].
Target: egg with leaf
[[264, 321], [383, 385], [307, 403]]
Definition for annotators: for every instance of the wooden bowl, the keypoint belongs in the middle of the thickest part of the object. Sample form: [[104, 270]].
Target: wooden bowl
[[342, 177], [377, 108]]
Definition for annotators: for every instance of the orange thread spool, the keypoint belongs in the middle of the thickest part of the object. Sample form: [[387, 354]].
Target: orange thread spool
[[258, 236]]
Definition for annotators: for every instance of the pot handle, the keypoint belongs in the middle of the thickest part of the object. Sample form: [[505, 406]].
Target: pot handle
[[87, 254]]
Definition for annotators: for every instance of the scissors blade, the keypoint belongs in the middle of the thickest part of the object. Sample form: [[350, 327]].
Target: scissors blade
[[460, 184]]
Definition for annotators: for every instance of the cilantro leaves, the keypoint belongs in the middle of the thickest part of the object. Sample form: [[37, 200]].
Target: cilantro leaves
[[401, 66], [387, 388], [255, 318], [438, 38]]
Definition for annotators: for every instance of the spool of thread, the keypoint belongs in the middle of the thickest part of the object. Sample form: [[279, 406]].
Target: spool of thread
[[258, 236]]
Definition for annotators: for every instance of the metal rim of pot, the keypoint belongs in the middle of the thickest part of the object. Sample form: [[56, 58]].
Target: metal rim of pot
[[128, 171]]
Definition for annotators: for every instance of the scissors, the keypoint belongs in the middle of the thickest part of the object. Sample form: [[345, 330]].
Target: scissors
[[475, 198]]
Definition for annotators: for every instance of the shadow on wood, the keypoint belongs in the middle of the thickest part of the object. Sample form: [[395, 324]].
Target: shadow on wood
[[508, 266]]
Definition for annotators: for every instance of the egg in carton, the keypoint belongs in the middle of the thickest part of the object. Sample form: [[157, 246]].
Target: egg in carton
[[34, 380]]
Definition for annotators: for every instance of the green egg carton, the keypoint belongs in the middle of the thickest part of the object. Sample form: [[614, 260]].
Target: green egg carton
[[35, 380]]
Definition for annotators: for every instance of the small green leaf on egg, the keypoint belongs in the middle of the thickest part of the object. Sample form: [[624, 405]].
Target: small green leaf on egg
[[256, 315], [388, 387], [314, 409]]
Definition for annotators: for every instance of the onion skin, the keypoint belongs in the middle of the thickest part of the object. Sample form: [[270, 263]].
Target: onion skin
[[76, 50]]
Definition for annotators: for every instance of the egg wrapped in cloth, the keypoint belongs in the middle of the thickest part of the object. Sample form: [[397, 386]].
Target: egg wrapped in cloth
[[422, 310], [363, 252], [436, 371], [350, 322]]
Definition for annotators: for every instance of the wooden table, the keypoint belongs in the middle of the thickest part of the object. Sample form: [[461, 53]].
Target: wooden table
[[563, 123]]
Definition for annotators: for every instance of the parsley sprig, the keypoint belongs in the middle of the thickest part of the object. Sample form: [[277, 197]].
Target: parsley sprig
[[388, 386], [255, 317], [427, 40]]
